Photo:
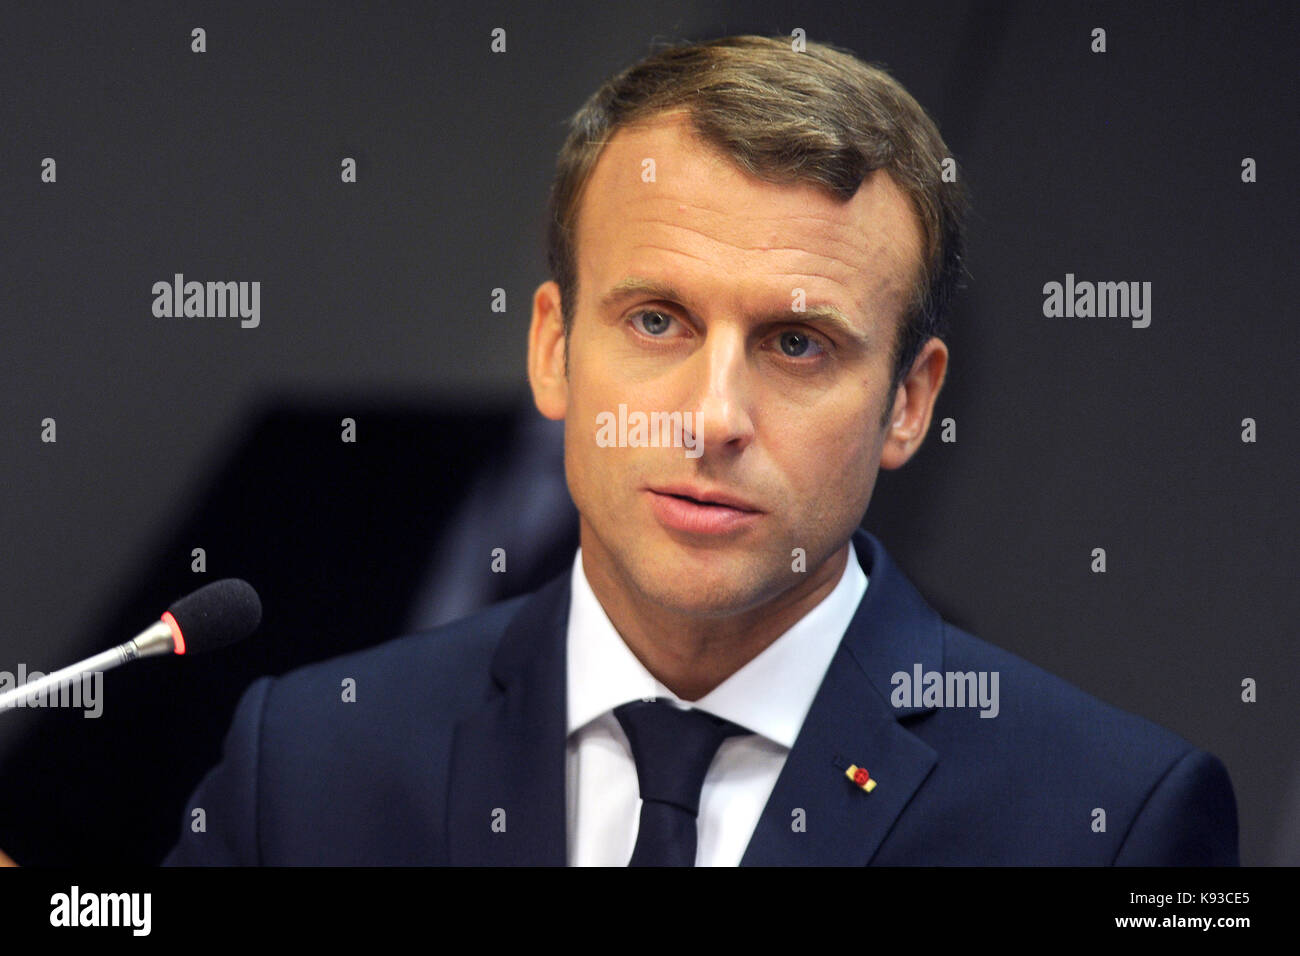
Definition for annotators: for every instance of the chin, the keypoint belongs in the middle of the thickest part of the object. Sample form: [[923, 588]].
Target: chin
[[705, 585]]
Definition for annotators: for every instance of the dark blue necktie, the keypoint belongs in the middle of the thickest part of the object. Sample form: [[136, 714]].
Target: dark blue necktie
[[673, 749]]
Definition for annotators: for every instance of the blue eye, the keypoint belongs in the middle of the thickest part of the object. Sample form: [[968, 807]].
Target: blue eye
[[797, 345], [653, 323]]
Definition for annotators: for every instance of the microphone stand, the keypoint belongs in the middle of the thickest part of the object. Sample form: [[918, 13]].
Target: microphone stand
[[151, 642]]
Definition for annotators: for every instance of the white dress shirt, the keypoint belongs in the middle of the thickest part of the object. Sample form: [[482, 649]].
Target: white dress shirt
[[770, 695]]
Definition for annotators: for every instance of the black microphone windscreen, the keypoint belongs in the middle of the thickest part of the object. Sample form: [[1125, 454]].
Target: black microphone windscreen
[[217, 614]]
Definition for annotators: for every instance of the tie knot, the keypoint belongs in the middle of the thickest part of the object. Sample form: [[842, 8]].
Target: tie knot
[[673, 749]]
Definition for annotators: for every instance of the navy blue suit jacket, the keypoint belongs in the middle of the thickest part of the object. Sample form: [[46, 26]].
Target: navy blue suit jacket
[[453, 752]]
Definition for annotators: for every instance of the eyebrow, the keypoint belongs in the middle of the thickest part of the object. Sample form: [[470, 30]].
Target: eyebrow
[[828, 315]]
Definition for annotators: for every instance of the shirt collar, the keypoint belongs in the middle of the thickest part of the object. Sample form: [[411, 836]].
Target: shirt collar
[[770, 695]]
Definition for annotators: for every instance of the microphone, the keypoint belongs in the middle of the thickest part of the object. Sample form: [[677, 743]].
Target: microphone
[[214, 616]]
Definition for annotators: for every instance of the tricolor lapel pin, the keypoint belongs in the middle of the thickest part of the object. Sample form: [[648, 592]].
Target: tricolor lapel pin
[[860, 777]]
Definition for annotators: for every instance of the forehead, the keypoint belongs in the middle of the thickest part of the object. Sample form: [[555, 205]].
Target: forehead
[[663, 204]]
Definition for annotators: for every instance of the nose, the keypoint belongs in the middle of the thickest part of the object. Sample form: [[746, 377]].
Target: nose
[[722, 393]]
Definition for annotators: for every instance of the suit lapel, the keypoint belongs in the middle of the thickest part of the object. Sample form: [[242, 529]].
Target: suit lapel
[[506, 788], [853, 722]]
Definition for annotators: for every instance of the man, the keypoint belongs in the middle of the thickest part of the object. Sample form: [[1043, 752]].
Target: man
[[753, 250]]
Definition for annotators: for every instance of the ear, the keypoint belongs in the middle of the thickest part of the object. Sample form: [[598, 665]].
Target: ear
[[546, 373], [913, 404]]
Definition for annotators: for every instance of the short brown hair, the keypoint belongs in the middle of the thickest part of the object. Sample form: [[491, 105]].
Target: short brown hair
[[821, 116]]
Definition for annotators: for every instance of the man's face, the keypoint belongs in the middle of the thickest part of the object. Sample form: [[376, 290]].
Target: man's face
[[689, 285]]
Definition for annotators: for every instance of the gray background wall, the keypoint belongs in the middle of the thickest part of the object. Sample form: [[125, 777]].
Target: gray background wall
[[1072, 433]]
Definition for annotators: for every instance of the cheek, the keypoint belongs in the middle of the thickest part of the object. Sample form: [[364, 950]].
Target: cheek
[[831, 470], [593, 472], [827, 443]]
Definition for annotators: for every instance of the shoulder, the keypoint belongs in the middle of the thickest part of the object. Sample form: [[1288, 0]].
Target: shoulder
[[443, 668], [356, 745], [1036, 705], [1062, 777]]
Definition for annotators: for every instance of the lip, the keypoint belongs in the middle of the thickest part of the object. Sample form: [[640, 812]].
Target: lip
[[699, 511], [707, 496]]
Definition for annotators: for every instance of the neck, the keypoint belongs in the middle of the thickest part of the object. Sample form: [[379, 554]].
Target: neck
[[691, 654]]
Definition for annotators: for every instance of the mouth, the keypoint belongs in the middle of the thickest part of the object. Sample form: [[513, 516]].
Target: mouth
[[707, 496], [701, 511]]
